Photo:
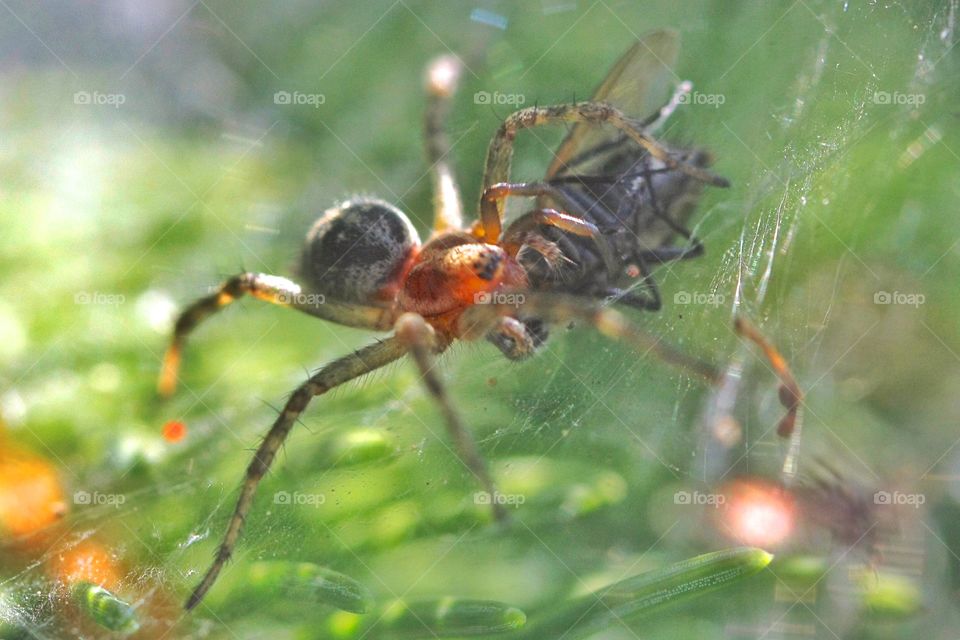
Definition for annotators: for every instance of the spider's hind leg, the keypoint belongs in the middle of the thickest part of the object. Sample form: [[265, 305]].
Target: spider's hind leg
[[333, 375], [422, 342], [560, 308]]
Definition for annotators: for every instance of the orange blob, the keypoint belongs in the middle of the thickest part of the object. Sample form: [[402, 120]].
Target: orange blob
[[87, 562], [174, 431], [453, 272], [758, 513], [31, 497]]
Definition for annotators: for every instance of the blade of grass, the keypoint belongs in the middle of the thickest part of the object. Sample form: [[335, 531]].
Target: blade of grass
[[648, 592]]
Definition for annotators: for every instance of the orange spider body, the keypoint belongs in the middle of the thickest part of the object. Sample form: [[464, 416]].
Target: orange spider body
[[452, 272]]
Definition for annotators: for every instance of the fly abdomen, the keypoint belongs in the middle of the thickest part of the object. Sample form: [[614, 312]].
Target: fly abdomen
[[640, 207]]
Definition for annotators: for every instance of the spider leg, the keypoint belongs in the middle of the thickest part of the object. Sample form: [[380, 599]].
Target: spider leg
[[559, 308], [562, 308], [513, 240], [491, 208], [494, 195], [500, 151], [548, 249], [420, 339], [564, 221], [333, 375], [790, 394], [272, 289], [442, 77]]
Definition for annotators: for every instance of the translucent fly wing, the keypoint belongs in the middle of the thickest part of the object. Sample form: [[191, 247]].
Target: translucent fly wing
[[638, 84]]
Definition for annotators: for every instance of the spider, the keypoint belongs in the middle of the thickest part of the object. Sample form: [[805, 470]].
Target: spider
[[598, 224]]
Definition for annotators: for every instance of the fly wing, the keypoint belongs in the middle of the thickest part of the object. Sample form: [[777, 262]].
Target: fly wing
[[638, 84]]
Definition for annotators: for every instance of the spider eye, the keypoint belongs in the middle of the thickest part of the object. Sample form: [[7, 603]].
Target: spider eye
[[357, 250]]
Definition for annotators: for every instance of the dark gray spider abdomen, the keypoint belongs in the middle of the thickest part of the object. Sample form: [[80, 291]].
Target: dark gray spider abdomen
[[357, 249]]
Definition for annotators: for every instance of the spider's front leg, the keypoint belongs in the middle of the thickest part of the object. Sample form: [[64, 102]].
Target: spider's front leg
[[490, 225], [333, 375], [272, 289], [492, 204], [500, 151], [424, 345], [443, 75]]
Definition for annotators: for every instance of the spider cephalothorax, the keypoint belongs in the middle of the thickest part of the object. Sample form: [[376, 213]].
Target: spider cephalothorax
[[363, 264], [452, 272]]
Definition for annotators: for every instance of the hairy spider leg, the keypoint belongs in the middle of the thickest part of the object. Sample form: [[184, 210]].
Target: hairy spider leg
[[443, 75], [272, 289], [563, 308], [791, 397], [329, 377], [559, 308], [500, 151], [413, 335], [421, 339], [491, 207]]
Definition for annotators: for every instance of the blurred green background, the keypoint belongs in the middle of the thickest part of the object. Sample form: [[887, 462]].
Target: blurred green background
[[144, 158]]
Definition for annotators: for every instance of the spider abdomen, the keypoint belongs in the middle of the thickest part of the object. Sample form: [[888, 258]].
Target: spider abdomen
[[358, 251]]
